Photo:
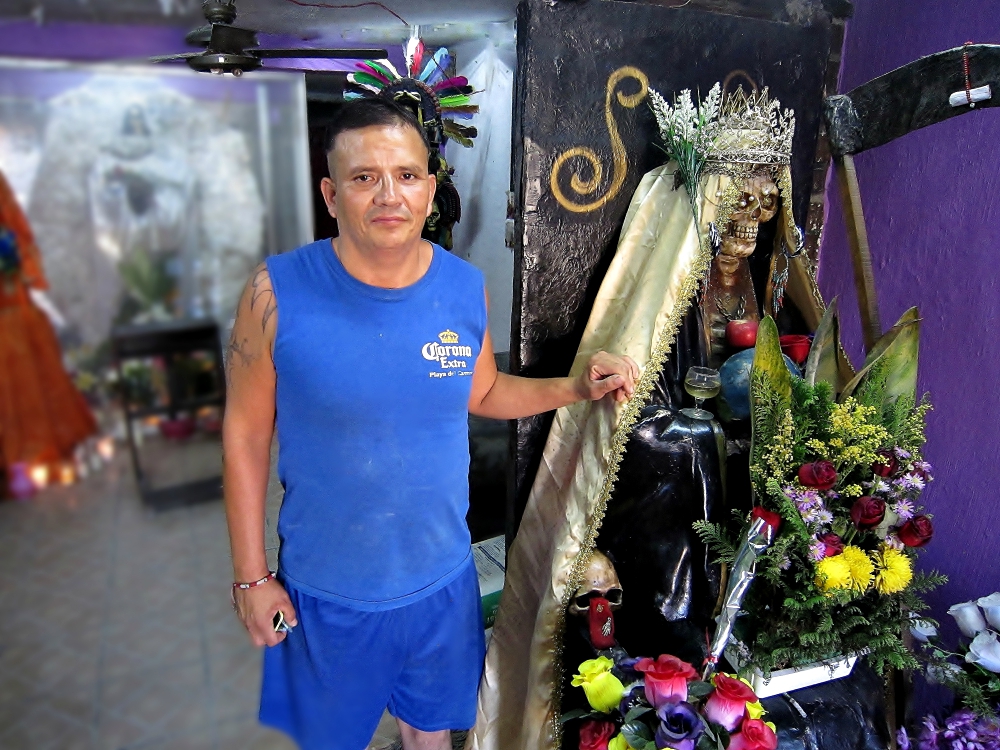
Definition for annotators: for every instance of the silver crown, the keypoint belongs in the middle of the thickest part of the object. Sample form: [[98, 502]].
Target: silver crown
[[752, 129]]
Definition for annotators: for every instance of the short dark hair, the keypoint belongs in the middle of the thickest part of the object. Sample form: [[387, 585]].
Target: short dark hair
[[364, 113]]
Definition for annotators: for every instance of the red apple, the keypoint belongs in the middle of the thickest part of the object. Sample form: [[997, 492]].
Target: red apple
[[795, 347], [741, 334]]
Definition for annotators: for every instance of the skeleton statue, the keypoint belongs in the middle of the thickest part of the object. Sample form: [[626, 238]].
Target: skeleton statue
[[598, 596], [730, 292]]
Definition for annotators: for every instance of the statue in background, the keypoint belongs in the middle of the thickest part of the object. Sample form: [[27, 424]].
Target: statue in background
[[631, 478], [43, 417], [134, 202]]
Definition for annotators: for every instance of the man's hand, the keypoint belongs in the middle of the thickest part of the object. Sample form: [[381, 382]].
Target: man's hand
[[607, 373], [257, 607]]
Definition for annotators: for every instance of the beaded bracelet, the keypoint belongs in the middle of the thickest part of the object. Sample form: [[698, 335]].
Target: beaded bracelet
[[254, 584]]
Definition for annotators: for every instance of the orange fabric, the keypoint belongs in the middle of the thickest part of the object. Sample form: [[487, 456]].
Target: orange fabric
[[42, 414]]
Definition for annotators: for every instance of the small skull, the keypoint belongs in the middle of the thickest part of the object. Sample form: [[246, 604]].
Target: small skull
[[599, 580], [757, 204]]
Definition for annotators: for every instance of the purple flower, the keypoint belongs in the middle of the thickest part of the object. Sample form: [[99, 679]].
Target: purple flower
[[632, 698], [924, 469], [824, 517], [904, 509], [903, 739], [912, 482], [680, 726], [928, 739], [817, 550], [901, 454]]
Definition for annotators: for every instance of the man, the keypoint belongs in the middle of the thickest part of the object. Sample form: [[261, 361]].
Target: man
[[368, 352]]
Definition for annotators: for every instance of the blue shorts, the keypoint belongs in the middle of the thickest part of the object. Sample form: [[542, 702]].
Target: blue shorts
[[327, 684]]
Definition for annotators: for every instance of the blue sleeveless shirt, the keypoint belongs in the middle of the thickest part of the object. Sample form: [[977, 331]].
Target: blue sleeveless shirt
[[372, 418]]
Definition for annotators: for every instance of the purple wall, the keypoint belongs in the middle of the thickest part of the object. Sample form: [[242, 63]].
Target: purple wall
[[932, 205]]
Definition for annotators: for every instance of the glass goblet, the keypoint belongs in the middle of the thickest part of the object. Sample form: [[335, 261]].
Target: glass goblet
[[701, 383]]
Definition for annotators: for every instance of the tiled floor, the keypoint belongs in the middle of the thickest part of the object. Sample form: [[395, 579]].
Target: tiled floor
[[116, 629]]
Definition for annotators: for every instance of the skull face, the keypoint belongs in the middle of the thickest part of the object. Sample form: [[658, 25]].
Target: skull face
[[757, 204], [599, 580]]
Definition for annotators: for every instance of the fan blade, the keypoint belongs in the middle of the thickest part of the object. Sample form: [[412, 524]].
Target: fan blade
[[231, 39], [171, 58], [305, 54]]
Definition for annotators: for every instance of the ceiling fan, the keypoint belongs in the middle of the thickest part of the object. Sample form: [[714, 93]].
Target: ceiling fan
[[230, 49]]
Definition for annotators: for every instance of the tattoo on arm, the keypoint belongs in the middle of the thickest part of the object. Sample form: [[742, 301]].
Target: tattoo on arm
[[237, 350], [262, 292]]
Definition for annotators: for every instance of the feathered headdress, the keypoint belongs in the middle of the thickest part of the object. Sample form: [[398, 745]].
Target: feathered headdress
[[436, 98]]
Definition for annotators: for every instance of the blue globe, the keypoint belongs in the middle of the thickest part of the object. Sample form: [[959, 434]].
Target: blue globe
[[734, 398]]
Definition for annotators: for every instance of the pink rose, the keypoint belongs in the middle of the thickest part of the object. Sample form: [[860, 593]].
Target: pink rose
[[666, 679], [754, 735], [728, 702]]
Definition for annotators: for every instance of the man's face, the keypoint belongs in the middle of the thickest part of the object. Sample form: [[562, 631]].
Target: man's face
[[379, 190]]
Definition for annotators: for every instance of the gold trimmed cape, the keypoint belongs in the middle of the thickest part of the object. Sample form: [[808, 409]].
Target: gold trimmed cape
[[653, 279]]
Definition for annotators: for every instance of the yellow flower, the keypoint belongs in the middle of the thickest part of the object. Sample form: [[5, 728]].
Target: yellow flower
[[604, 691], [755, 710], [834, 573], [770, 725], [861, 567], [893, 571], [618, 742]]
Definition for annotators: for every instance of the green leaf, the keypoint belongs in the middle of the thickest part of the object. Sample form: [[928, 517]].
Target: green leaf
[[576, 713], [890, 370], [699, 689], [635, 712], [823, 364], [636, 733], [770, 391], [706, 742]]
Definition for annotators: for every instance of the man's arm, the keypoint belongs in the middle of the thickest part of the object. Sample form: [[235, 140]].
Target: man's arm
[[501, 396], [246, 441]]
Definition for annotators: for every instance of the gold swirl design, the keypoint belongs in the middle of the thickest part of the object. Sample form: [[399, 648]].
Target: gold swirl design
[[618, 155]]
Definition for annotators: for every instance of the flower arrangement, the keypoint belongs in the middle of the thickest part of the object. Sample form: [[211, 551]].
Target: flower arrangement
[[651, 704], [845, 476], [963, 730]]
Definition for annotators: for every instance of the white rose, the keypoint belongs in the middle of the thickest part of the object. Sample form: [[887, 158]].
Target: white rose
[[991, 607], [969, 618], [985, 651], [922, 630]]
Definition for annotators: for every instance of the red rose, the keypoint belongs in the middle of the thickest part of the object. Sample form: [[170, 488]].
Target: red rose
[[820, 475], [887, 465], [796, 348], [867, 512], [832, 544], [595, 735], [728, 702], [666, 679], [754, 735], [771, 519], [916, 532]]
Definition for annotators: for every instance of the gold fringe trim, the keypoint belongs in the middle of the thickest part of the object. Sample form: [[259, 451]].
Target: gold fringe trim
[[619, 441]]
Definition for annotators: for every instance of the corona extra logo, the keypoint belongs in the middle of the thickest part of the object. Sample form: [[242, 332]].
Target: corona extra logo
[[448, 349]]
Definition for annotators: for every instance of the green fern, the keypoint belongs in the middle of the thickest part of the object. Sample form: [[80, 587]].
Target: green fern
[[715, 538]]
